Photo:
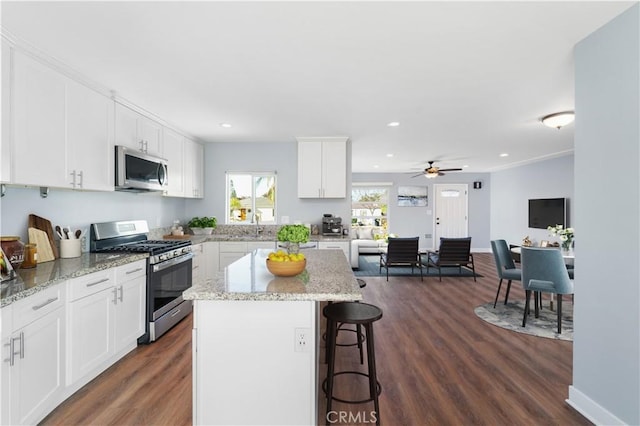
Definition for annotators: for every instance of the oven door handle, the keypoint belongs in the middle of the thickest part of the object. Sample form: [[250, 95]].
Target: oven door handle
[[171, 262]]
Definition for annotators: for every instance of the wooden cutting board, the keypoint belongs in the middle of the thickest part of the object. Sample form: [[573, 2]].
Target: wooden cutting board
[[176, 237], [44, 249], [44, 225]]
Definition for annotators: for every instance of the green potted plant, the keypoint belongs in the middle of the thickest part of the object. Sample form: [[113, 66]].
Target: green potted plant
[[202, 225], [293, 235]]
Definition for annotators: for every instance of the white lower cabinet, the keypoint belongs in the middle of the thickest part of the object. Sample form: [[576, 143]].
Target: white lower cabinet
[[212, 258], [197, 263], [345, 246], [105, 316], [33, 357]]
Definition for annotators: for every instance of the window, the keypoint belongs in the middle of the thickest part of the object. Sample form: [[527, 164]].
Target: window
[[369, 206], [248, 193]]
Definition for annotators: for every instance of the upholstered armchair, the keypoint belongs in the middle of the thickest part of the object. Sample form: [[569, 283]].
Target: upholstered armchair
[[505, 267], [452, 252], [401, 252], [544, 270]]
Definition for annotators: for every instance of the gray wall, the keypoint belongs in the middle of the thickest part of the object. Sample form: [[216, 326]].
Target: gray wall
[[606, 349], [418, 221], [512, 188], [78, 209], [281, 157]]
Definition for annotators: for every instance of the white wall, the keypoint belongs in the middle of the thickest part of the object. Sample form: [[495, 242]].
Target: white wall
[[606, 349], [512, 189], [418, 221]]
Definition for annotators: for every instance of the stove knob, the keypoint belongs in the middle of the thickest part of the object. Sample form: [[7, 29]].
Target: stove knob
[[163, 257]]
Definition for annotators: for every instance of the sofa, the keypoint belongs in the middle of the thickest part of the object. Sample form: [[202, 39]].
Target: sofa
[[366, 239]]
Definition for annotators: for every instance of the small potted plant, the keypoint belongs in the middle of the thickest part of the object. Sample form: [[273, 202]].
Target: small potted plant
[[202, 225], [293, 235]]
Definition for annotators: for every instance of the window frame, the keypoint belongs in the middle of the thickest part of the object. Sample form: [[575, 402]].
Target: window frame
[[249, 218], [383, 217]]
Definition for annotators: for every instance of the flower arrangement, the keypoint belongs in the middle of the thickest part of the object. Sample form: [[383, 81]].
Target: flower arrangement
[[565, 234]]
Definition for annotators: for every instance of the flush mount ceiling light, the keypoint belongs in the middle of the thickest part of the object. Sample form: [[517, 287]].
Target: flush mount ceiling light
[[393, 124], [559, 119], [225, 125]]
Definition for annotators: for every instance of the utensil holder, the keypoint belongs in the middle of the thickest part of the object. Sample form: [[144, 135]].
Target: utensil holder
[[70, 248]]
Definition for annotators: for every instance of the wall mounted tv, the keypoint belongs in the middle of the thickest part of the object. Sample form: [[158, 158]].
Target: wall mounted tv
[[546, 212]]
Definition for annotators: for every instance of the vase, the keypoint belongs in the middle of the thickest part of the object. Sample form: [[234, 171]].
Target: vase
[[293, 248], [566, 245]]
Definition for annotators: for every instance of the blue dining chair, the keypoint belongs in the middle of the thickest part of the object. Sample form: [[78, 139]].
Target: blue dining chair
[[505, 266], [544, 271]]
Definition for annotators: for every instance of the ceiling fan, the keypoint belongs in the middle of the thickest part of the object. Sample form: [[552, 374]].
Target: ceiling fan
[[433, 171]]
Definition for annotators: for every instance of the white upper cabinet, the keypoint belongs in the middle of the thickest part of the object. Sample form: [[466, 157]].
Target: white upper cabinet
[[322, 167], [5, 140], [39, 124], [90, 152], [136, 131], [62, 130], [174, 153], [193, 169]]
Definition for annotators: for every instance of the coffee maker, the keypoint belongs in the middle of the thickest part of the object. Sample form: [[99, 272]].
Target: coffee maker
[[331, 225]]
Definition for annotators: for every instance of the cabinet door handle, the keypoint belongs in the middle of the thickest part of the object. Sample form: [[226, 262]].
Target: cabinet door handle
[[121, 297], [43, 304], [176, 313], [80, 174], [11, 353], [73, 182], [97, 282], [12, 348], [115, 295], [133, 271]]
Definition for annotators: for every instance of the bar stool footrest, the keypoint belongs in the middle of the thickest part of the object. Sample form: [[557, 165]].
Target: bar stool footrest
[[378, 388]]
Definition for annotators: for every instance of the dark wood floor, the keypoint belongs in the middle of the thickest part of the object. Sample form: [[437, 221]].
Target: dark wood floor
[[437, 362]]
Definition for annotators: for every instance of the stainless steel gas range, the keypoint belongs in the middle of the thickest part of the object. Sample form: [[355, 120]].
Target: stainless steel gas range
[[169, 270]]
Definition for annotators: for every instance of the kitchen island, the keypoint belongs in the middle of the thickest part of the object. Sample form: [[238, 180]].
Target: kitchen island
[[256, 339]]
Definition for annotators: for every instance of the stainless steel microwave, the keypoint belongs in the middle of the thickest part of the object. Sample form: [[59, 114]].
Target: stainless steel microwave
[[137, 171]]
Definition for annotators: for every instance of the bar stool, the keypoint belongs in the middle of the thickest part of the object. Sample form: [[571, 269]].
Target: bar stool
[[358, 331], [359, 314]]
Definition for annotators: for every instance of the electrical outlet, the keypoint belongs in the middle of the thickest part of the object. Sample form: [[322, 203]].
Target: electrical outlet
[[428, 236], [301, 339]]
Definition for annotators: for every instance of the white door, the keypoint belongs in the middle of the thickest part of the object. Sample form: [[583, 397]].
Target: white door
[[451, 219]]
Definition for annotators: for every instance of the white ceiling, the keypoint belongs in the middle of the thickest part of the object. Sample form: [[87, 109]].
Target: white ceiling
[[466, 80]]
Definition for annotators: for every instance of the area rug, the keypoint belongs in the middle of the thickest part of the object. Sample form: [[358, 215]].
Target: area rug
[[370, 267], [509, 316]]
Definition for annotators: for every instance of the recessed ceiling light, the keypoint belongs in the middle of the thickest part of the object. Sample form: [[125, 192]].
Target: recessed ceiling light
[[393, 124], [465, 166], [504, 154], [375, 166], [389, 155], [225, 125]]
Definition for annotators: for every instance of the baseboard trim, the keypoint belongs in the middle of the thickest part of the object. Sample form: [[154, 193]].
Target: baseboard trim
[[593, 411]]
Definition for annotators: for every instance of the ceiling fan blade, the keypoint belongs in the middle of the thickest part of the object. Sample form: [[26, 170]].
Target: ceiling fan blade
[[450, 170], [421, 174]]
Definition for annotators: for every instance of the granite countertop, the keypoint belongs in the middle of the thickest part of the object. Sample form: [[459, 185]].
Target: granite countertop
[[197, 239], [328, 276], [30, 281]]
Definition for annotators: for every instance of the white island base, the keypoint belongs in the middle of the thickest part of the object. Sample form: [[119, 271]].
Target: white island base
[[247, 368], [255, 339]]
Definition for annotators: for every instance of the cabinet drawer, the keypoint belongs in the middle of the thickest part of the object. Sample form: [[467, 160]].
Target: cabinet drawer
[[131, 271], [196, 249], [233, 246], [27, 310], [90, 284]]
